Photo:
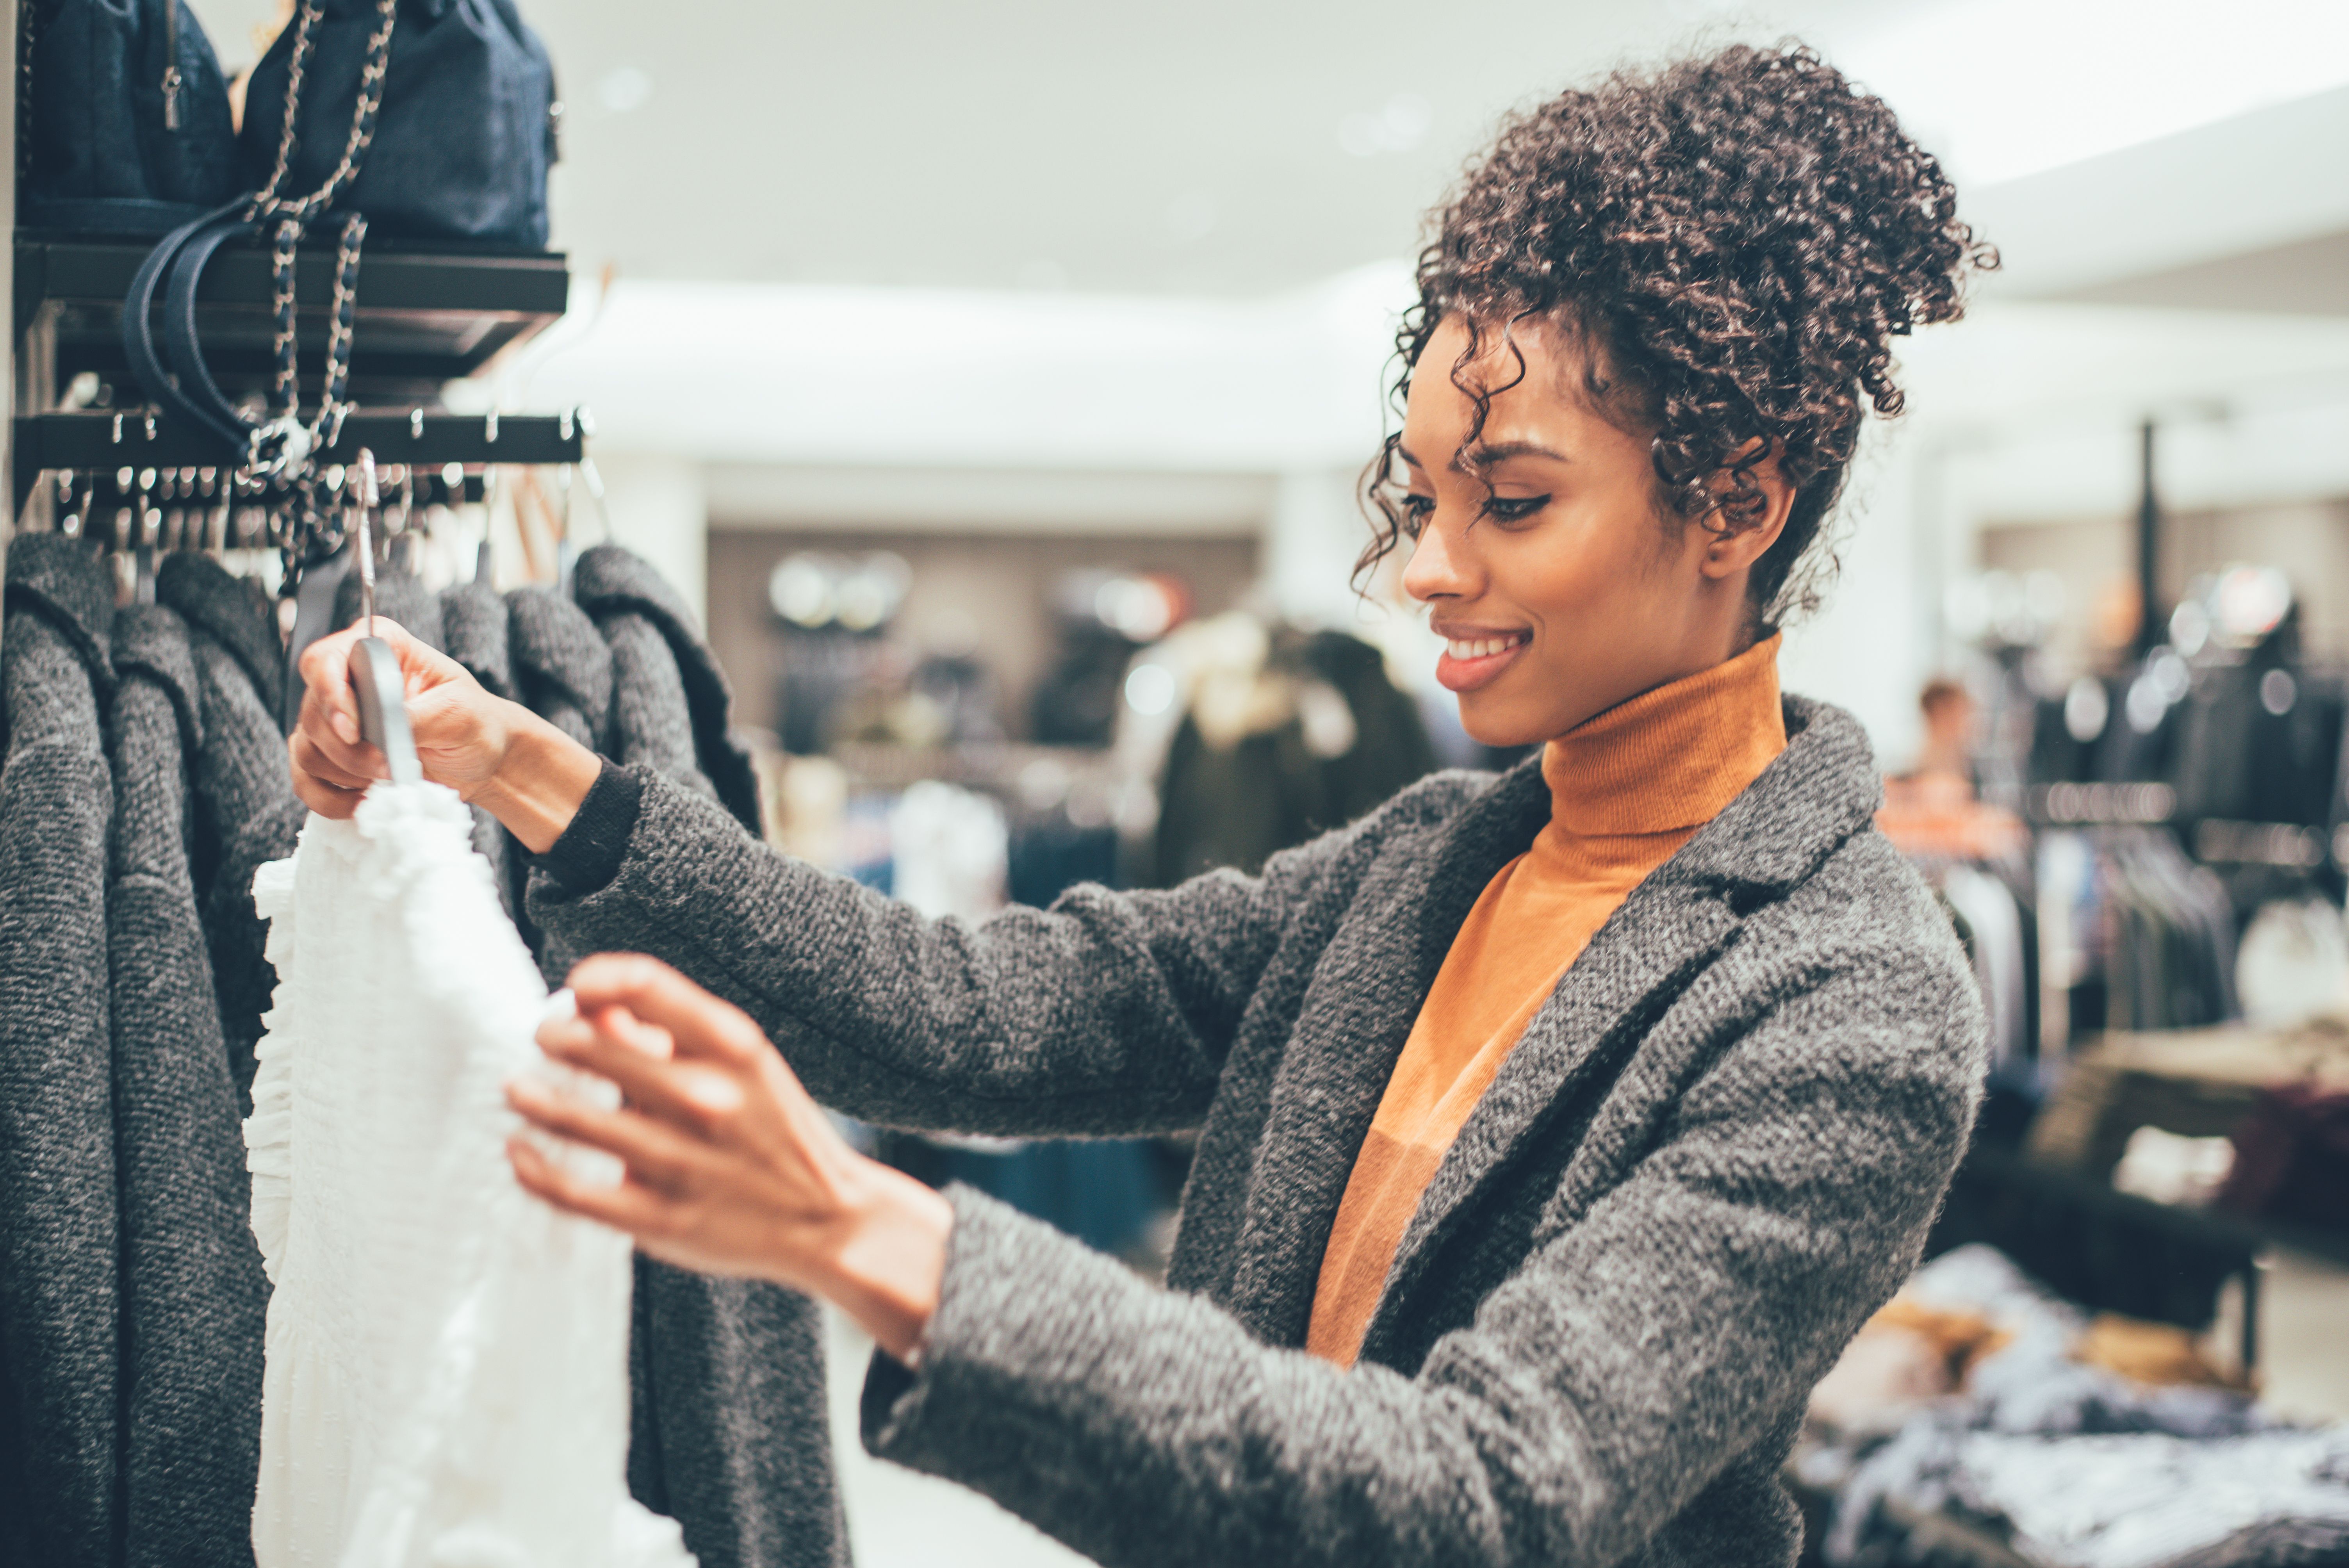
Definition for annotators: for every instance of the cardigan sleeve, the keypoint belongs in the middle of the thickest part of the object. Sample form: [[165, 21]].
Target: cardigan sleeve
[[1596, 1393], [1109, 1014]]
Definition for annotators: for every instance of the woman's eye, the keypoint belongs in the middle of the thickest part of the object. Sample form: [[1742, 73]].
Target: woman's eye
[[1416, 509], [1514, 508]]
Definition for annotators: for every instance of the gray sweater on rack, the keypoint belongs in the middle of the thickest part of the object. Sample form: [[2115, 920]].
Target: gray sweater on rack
[[192, 1292], [59, 1235], [246, 811], [1715, 1151]]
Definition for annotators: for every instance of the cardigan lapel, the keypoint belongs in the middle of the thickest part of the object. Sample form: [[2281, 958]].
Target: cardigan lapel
[[1365, 994], [1806, 803]]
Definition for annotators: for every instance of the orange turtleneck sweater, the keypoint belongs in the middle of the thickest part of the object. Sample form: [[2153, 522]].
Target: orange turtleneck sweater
[[1627, 789]]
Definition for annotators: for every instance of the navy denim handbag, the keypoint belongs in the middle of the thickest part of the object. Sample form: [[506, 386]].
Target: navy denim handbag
[[466, 132], [128, 129]]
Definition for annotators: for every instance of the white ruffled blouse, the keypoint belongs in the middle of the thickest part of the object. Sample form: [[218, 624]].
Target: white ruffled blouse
[[447, 1358]]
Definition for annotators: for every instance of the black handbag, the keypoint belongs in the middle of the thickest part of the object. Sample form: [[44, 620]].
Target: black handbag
[[451, 134], [465, 136], [126, 129]]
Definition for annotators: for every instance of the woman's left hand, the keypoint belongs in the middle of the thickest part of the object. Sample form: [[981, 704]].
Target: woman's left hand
[[732, 1168]]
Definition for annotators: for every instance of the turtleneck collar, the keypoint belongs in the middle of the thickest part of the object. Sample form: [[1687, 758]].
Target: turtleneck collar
[[1670, 759]]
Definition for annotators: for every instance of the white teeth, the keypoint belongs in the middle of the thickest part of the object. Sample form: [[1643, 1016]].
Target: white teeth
[[1479, 647]]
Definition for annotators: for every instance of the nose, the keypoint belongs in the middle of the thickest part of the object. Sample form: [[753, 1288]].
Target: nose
[[1442, 564]]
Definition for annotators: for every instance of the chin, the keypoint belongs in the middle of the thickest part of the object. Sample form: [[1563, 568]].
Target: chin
[[1500, 725]]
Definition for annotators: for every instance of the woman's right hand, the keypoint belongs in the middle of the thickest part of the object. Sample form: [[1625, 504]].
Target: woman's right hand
[[527, 773]]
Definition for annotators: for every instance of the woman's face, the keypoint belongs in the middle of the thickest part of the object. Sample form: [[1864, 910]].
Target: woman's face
[[1562, 588]]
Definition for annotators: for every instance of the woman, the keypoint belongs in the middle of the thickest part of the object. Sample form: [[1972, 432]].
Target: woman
[[1556, 1130]]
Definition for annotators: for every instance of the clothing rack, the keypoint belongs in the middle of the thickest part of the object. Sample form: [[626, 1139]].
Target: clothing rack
[[103, 440]]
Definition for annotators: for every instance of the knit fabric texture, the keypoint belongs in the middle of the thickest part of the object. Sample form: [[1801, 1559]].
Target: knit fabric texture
[[671, 700], [247, 813], [192, 1294], [1715, 1150], [1627, 789], [60, 1321]]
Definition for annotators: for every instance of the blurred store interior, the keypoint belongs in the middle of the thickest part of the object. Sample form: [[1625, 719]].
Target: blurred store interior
[[995, 382]]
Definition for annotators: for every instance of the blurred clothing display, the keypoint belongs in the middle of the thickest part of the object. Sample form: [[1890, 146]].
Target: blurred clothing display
[[2147, 937], [447, 1363], [2161, 1462], [2294, 962], [1277, 735], [2292, 1158]]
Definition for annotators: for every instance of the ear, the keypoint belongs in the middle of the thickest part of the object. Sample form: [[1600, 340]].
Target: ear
[[1737, 542]]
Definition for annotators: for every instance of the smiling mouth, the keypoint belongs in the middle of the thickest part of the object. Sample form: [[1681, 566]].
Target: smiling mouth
[[1465, 648]]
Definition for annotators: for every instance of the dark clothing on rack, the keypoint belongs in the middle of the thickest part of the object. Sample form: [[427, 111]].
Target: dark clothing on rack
[[670, 697], [1716, 1150], [2292, 1158], [725, 1372], [1391, 746], [473, 632], [193, 1295], [246, 811], [60, 1335], [562, 668], [474, 627], [1238, 804], [400, 598]]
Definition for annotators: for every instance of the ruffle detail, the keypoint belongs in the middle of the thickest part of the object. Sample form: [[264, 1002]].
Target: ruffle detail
[[269, 1131]]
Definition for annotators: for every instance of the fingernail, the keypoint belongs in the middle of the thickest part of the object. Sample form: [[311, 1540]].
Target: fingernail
[[347, 729], [523, 1095]]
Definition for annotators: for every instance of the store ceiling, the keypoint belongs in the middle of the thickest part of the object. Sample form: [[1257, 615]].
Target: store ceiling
[[1246, 147], [1198, 149], [1216, 146]]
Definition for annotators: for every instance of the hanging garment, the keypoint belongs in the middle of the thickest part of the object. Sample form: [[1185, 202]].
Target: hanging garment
[[474, 632], [1996, 921], [445, 1380], [562, 668], [192, 1288], [59, 1328], [723, 1371], [247, 813], [670, 699]]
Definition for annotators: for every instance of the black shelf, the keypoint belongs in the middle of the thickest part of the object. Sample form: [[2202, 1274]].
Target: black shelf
[[423, 316]]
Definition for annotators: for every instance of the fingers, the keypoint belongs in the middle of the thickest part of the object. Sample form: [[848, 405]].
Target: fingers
[[700, 1024], [329, 718], [641, 1214], [322, 786], [697, 1097], [655, 1155]]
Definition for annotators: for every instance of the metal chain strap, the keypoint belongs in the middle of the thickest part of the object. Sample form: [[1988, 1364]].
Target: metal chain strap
[[284, 444], [372, 71], [328, 429], [288, 391]]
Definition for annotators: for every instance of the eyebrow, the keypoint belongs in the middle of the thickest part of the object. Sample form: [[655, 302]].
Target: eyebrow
[[1500, 452]]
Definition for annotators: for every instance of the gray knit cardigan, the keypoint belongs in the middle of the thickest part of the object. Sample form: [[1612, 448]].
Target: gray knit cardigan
[[1715, 1151]]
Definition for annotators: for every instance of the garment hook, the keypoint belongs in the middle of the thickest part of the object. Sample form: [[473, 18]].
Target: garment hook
[[375, 667]]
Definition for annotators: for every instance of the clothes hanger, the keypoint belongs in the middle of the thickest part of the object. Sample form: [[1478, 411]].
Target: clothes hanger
[[375, 667]]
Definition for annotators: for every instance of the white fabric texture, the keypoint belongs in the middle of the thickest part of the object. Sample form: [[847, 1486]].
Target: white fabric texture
[[447, 1358]]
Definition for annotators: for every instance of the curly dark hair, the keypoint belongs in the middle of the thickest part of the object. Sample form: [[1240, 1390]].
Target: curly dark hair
[[1732, 242]]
